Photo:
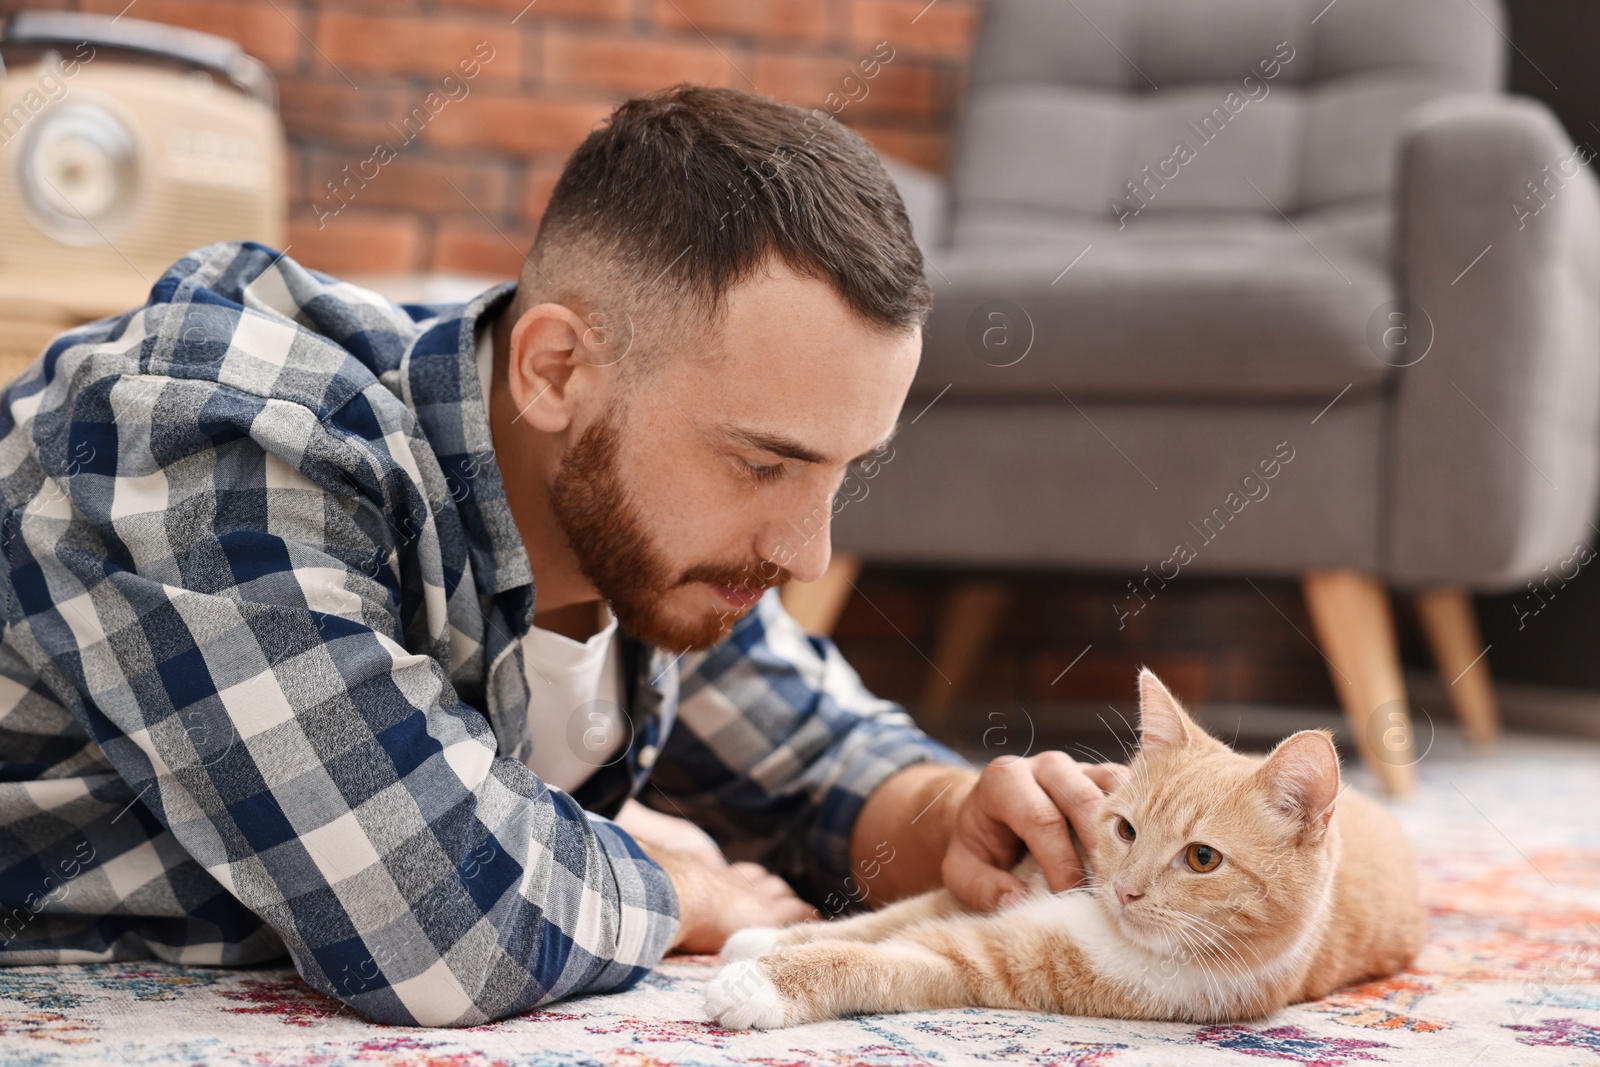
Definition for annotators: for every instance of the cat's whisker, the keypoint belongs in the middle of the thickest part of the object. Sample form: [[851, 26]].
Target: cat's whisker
[[1225, 934], [1223, 937], [1090, 750], [1132, 729], [1258, 998], [1201, 958], [1186, 927]]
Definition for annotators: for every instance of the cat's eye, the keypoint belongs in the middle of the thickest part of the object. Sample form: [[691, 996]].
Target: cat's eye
[[1203, 858], [1125, 830]]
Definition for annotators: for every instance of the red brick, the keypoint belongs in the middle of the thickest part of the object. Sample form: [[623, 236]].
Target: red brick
[[909, 88], [944, 29], [335, 110], [294, 168], [522, 12], [382, 7], [518, 124], [802, 19], [410, 182], [473, 245], [357, 242], [432, 46], [270, 34], [537, 186], [632, 65], [925, 149]]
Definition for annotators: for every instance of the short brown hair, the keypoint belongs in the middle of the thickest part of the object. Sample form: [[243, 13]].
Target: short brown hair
[[682, 194]]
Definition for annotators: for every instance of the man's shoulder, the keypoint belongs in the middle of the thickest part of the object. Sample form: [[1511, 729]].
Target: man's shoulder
[[229, 332], [244, 318]]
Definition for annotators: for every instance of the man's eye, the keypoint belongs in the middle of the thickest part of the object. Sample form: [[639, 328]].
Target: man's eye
[[765, 473]]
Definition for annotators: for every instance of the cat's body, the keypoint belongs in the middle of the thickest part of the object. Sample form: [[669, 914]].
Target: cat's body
[[1314, 897]]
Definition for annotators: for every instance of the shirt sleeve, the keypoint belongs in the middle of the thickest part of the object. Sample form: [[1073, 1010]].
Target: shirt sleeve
[[224, 606], [777, 746]]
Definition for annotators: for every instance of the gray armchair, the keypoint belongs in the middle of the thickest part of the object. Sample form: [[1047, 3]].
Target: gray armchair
[[1292, 285]]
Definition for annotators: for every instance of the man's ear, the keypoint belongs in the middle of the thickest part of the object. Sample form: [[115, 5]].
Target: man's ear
[[1301, 779], [543, 352], [1162, 721]]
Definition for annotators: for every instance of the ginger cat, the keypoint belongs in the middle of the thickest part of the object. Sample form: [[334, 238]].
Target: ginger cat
[[1223, 887]]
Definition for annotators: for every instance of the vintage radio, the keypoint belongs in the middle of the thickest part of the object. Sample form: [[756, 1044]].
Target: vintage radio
[[123, 145]]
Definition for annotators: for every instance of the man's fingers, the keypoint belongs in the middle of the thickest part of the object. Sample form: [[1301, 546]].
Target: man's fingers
[[975, 882], [1020, 801], [794, 910], [1108, 776], [1074, 792]]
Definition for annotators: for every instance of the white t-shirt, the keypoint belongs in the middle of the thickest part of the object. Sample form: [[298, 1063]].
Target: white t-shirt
[[575, 719]]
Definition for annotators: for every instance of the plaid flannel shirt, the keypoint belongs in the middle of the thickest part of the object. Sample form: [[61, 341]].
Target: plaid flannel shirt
[[261, 683]]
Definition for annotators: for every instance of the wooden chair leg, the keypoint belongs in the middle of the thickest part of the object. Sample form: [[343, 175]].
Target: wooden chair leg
[[816, 606], [1458, 649], [1350, 612], [967, 623]]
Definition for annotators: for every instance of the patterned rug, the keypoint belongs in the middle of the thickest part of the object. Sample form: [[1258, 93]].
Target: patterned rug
[[1510, 975]]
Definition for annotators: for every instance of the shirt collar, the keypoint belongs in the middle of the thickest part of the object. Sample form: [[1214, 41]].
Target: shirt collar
[[440, 377]]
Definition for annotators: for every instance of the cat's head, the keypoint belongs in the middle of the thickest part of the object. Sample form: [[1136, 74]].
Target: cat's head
[[1203, 846]]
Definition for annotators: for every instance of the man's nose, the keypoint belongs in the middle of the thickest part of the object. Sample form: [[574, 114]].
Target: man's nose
[[803, 549], [1125, 894]]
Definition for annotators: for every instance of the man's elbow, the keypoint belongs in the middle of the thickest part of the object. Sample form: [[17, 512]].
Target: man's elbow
[[436, 998]]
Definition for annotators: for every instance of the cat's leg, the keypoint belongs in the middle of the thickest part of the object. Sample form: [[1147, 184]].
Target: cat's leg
[[982, 961], [871, 926]]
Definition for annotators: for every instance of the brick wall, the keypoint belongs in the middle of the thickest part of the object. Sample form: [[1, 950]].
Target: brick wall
[[467, 191]]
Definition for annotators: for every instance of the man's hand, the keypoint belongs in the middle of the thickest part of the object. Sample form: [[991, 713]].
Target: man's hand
[[1019, 804], [669, 831], [716, 901], [948, 825]]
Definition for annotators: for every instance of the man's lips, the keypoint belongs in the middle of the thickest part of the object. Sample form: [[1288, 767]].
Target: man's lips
[[737, 596]]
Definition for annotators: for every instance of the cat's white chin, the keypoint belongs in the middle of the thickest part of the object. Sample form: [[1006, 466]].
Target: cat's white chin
[[1146, 935], [750, 943], [742, 997]]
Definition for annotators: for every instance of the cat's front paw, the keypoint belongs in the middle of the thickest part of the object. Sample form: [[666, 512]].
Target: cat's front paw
[[742, 997], [750, 943]]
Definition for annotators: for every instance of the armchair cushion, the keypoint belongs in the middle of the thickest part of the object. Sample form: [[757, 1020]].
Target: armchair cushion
[[1080, 107], [1229, 305]]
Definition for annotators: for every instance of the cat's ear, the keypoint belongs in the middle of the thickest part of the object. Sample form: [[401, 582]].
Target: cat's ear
[[1301, 778], [1162, 720]]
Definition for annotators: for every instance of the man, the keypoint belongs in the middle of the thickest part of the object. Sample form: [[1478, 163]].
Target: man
[[275, 678]]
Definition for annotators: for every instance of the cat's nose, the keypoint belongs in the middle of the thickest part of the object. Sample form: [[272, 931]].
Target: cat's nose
[[1125, 894]]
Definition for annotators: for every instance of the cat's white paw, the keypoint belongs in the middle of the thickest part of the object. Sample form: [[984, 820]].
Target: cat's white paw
[[750, 943], [742, 997]]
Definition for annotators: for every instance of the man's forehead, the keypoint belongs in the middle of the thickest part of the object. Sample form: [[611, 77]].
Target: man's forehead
[[791, 371]]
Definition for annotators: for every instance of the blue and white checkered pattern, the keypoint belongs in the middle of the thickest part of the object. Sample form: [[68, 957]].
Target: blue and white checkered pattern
[[260, 679]]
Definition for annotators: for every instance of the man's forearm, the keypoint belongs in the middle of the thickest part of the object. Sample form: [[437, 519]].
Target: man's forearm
[[903, 830]]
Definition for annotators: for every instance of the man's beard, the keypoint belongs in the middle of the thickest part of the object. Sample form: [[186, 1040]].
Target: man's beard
[[615, 553]]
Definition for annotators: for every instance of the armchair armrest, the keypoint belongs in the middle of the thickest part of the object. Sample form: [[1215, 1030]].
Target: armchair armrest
[[927, 201], [1496, 435]]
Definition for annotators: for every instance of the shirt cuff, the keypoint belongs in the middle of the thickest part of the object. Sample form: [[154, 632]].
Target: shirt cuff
[[648, 919], [889, 749]]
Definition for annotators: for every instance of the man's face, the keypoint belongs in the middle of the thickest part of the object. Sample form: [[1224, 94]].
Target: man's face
[[711, 477]]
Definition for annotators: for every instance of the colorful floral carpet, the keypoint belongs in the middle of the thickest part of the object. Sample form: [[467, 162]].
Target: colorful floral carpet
[[1511, 975]]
